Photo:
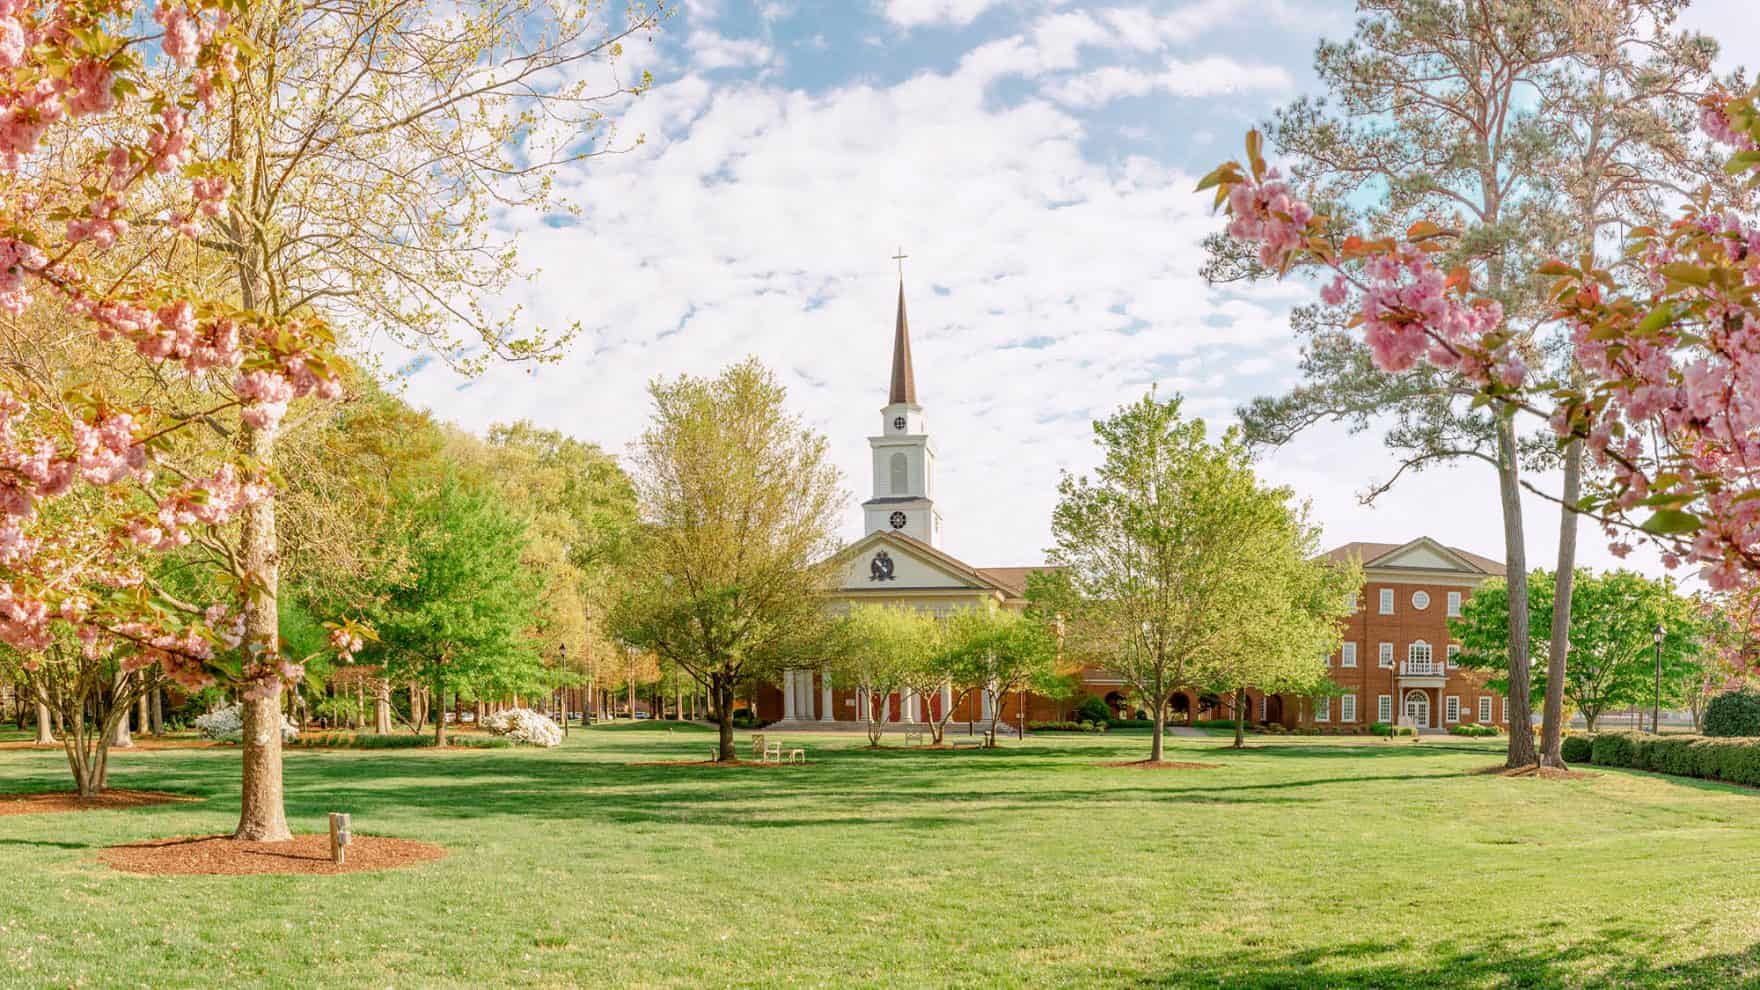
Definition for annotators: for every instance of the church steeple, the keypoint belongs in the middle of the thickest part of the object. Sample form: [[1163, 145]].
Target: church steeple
[[904, 379], [904, 459]]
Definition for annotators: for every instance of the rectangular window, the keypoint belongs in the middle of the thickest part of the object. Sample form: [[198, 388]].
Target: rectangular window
[[1386, 601], [1323, 709], [1386, 654], [1350, 655], [1451, 712], [1384, 708], [1454, 604], [1485, 708], [1347, 708], [1454, 650], [1264, 704], [1506, 709]]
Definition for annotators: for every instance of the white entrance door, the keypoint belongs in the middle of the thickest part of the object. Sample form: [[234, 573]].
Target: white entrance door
[[1418, 709]]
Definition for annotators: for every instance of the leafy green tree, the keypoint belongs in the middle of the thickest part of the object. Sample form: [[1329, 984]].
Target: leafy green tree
[[877, 650], [458, 620], [1612, 639], [998, 652], [1174, 555], [740, 507]]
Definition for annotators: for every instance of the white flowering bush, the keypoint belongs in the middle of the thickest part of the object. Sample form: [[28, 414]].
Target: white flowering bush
[[524, 725], [227, 725]]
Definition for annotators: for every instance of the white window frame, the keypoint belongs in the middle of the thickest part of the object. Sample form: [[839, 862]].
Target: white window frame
[[1451, 709], [1505, 718], [1384, 709], [1264, 707], [1420, 600], [1386, 601], [1454, 653], [1412, 651], [1485, 709], [1386, 656], [1323, 709], [1347, 656], [1347, 708], [1454, 604]]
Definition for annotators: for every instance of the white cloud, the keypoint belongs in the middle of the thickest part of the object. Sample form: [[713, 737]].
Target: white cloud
[[711, 50], [916, 13], [1212, 75]]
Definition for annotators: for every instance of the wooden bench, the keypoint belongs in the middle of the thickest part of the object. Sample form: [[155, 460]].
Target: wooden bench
[[757, 745], [772, 752], [797, 755], [913, 737]]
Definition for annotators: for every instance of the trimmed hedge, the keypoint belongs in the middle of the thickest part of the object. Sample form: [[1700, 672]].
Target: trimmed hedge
[[1736, 761], [1575, 749], [1736, 713], [1132, 723], [1215, 723], [1472, 729], [1066, 726]]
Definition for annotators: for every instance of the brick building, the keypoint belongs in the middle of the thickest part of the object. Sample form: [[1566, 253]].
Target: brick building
[[1395, 658]]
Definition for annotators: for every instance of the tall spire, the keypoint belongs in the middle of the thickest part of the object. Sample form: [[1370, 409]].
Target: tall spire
[[904, 380]]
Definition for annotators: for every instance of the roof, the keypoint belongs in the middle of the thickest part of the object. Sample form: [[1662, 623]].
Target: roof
[[1014, 579], [1369, 553], [904, 379]]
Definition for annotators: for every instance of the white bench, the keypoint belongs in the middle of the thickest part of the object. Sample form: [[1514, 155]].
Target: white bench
[[913, 737]]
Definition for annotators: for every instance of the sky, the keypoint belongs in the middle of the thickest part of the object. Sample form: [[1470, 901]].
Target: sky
[[1035, 160]]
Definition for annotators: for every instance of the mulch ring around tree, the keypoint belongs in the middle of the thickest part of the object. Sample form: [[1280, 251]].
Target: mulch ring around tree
[[222, 855], [118, 797], [1545, 773], [140, 743], [1161, 765]]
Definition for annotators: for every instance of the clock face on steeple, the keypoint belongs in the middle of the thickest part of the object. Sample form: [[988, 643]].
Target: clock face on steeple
[[897, 520], [898, 423]]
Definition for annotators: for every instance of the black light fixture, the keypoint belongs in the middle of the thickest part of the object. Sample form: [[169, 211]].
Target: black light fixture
[[1656, 710]]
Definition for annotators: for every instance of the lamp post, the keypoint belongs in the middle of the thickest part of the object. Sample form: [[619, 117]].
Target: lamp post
[[562, 661], [1656, 711]]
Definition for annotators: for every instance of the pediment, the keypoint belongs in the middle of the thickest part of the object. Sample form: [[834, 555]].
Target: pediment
[[884, 561], [1424, 554]]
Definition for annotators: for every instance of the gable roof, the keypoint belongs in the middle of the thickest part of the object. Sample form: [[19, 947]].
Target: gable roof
[[1371, 554], [1014, 578]]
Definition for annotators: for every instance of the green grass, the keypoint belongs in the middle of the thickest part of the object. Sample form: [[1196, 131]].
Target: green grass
[[1299, 863]]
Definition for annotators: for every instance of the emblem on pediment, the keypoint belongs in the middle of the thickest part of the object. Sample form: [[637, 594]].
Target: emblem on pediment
[[880, 567]]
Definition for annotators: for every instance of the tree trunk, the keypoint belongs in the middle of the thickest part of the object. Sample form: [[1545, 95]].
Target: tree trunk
[[1558, 653], [156, 711], [440, 714], [1240, 719], [142, 713], [117, 714], [723, 697], [1155, 746], [44, 722], [382, 706], [262, 815], [1521, 722]]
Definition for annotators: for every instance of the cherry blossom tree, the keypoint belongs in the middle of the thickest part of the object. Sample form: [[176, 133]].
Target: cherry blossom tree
[[1665, 405]]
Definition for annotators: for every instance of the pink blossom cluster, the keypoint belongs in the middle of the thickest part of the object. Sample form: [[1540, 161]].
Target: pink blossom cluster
[[1265, 213], [212, 502], [103, 227], [345, 644], [1714, 121]]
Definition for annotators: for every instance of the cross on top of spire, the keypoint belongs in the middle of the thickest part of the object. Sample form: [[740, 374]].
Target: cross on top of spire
[[899, 257]]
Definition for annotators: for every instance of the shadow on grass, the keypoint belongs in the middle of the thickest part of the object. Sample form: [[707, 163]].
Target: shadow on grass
[[1615, 956]]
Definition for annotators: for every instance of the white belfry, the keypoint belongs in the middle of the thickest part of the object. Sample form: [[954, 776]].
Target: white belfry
[[904, 460]]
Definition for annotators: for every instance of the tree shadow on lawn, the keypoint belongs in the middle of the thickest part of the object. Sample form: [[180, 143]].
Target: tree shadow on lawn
[[1616, 956]]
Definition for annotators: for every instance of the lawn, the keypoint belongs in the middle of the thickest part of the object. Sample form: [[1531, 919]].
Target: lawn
[[1299, 862]]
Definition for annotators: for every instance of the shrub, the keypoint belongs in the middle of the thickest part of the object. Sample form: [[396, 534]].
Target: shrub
[[368, 740], [1575, 749], [1386, 729], [1130, 723], [1092, 709], [1066, 726], [1473, 730], [1612, 749], [1734, 714], [227, 725], [1216, 723], [525, 726]]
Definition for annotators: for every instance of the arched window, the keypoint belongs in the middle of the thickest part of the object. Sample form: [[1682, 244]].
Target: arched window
[[901, 474], [1418, 652]]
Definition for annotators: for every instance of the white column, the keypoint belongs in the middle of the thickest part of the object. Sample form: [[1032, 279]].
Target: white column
[[788, 694], [825, 713], [861, 704], [907, 706], [989, 703], [946, 699]]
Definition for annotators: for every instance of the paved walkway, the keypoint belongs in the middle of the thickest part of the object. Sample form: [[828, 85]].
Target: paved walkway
[[1187, 730]]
